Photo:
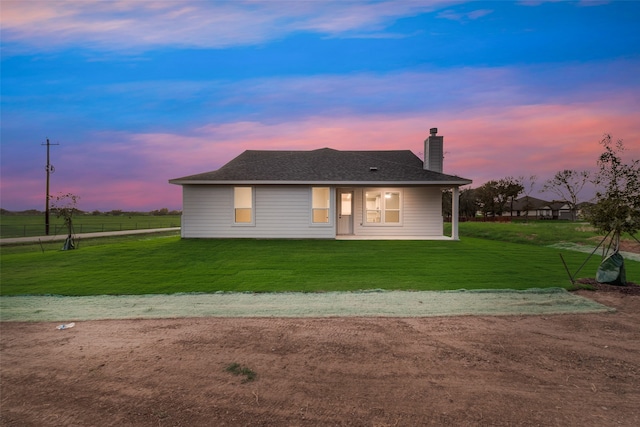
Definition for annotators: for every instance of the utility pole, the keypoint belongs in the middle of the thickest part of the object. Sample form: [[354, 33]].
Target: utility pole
[[50, 169]]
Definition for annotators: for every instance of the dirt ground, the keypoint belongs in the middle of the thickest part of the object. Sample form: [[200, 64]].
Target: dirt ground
[[557, 370]]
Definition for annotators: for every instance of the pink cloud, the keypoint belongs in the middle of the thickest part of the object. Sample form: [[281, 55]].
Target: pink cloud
[[540, 140], [481, 145], [130, 170]]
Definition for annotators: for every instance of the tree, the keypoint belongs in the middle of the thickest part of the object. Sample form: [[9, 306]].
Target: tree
[[65, 206], [446, 203], [511, 187], [617, 208], [467, 207], [160, 212], [567, 184], [527, 188], [493, 196], [486, 196], [468, 203]]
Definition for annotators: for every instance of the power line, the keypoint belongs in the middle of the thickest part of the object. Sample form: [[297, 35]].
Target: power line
[[50, 169]]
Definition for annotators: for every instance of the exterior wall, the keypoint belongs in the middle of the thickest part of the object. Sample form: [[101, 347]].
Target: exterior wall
[[421, 214], [285, 212], [280, 212]]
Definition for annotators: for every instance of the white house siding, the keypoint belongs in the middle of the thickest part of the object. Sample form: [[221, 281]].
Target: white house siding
[[279, 212], [285, 212], [421, 214], [205, 209]]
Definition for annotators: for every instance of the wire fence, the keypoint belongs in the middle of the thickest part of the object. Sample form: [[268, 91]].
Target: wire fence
[[31, 230]]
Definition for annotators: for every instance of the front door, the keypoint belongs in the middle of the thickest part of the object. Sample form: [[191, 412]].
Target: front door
[[345, 212]]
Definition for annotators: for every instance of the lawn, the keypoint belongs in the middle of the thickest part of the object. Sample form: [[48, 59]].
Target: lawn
[[34, 225], [542, 233], [168, 264]]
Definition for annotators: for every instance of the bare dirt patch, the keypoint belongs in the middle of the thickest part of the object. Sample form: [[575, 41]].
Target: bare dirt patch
[[571, 369], [630, 246], [627, 244], [630, 289]]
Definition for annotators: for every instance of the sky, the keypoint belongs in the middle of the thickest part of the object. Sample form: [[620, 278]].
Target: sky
[[139, 92]]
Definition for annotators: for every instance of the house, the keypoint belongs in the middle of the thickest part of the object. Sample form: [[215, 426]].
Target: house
[[322, 194], [527, 207], [557, 210], [532, 208]]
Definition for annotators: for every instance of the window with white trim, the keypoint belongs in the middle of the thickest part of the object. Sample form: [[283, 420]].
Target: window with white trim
[[243, 205], [383, 207], [320, 204]]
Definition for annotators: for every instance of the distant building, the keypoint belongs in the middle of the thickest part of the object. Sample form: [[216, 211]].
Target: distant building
[[533, 208]]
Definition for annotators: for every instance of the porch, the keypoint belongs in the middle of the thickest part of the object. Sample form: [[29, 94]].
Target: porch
[[353, 237]]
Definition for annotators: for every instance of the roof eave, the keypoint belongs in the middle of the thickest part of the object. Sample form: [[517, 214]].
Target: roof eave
[[458, 182]]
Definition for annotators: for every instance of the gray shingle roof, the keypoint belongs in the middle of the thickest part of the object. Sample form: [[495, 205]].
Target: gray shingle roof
[[323, 165], [528, 203]]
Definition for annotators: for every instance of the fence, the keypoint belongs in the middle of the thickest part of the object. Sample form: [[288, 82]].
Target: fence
[[487, 219], [29, 230]]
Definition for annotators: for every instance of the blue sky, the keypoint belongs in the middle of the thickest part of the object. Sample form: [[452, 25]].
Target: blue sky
[[138, 92]]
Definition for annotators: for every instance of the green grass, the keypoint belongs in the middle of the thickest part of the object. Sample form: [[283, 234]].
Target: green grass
[[541, 233], [237, 369], [34, 225], [152, 264]]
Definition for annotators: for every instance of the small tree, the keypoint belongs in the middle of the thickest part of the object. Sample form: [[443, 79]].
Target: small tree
[[65, 206], [567, 184], [617, 208]]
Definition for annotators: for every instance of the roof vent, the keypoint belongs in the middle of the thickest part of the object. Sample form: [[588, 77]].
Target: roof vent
[[373, 169]]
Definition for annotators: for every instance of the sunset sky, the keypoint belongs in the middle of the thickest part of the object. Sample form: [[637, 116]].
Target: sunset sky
[[138, 92]]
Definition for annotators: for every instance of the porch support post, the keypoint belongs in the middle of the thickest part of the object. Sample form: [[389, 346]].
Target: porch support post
[[455, 207]]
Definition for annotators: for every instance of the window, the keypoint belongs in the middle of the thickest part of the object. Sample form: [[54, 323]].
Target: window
[[373, 204], [382, 207], [392, 207], [320, 203], [243, 205], [345, 204]]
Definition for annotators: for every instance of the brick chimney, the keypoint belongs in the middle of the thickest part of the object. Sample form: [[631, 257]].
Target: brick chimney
[[433, 151]]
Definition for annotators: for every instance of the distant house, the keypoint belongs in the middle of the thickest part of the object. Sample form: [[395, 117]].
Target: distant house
[[557, 210], [322, 194], [530, 207], [527, 207]]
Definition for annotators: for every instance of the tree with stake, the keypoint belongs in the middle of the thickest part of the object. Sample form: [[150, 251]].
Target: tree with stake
[[617, 209], [65, 206]]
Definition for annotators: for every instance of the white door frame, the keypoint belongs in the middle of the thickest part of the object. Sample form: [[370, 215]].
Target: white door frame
[[344, 223]]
